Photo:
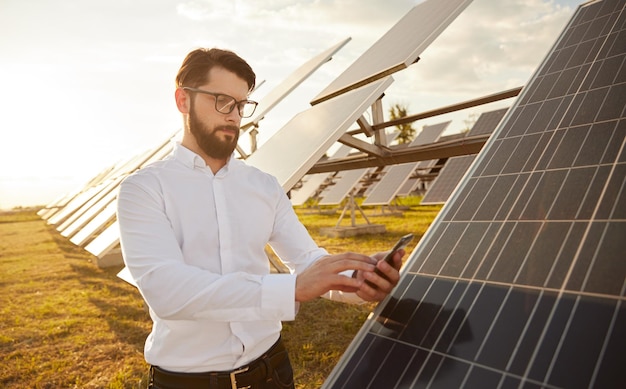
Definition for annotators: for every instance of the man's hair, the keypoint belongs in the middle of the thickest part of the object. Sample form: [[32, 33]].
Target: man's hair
[[195, 68]]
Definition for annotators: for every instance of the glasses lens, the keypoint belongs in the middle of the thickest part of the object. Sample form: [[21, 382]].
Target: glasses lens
[[224, 103], [246, 109]]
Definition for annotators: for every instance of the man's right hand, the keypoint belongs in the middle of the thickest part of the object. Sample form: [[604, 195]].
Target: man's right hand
[[323, 275]]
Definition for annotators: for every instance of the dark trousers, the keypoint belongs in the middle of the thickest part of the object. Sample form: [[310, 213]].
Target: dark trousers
[[272, 370]]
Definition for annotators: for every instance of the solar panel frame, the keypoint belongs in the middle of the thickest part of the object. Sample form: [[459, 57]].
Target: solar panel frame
[[520, 281]]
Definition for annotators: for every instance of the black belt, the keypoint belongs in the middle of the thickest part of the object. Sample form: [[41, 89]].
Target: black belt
[[255, 372]]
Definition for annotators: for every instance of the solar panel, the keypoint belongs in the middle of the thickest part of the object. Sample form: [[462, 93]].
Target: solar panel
[[102, 213], [448, 179], [108, 239], [456, 167], [399, 47], [270, 100], [79, 219], [295, 148], [487, 122], [520, 281], [346, 181], [393, 179], [90, 230], [311, 182]]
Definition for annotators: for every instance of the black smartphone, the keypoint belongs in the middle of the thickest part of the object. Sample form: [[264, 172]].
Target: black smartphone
[[400, 244]]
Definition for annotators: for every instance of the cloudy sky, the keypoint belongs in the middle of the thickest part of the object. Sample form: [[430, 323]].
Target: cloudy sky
[[89, 83]]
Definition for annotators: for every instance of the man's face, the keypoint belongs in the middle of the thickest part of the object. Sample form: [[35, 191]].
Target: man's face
[[216, 133], [216, 141]]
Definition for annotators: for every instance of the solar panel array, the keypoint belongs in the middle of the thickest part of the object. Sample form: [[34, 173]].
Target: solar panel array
[[456, 167], [520, 281]]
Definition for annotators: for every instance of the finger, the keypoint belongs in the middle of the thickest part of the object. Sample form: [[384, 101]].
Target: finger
[[347, 289], [356, 257], [377, 282], [368, 293], [341, 282], [338, 266], [397, 258], [390, 272]]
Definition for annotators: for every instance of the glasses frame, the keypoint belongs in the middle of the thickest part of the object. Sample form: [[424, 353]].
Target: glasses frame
[[239, 104]]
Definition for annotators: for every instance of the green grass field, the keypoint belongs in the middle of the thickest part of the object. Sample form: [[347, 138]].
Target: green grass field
[[66, 323]]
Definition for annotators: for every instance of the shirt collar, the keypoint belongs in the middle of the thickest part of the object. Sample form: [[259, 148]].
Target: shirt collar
[[193, 160]]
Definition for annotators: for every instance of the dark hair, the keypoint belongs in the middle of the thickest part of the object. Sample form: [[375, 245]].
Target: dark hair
[[195, 68]]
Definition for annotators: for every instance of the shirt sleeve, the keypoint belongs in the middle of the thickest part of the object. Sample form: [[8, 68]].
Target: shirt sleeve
[[290, 240], [175, 290]]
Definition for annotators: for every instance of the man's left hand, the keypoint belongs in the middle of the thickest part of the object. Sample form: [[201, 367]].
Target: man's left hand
[[381, 286]]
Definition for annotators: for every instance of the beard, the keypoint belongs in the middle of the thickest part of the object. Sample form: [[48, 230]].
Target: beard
[[208, 141]]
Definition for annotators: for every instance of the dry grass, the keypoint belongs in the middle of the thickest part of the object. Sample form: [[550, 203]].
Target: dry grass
[[65, 323]]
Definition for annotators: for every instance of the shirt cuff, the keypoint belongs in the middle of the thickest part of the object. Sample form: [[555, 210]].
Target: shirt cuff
[[279, 295]]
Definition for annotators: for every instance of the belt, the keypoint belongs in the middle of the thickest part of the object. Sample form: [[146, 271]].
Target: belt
[[256, 372]]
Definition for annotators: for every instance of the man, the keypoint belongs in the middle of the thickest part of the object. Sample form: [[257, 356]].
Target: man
[[194, 228]]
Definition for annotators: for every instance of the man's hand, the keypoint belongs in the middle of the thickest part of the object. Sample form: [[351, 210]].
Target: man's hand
[[323, 275], [382, 286]]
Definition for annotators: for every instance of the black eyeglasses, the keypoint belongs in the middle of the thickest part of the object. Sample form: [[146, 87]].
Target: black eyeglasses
[[225, 103]]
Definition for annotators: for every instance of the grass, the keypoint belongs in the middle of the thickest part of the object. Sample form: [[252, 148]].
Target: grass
[[65, 323]]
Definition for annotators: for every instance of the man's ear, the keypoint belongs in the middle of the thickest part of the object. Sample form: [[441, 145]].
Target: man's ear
[[183, 101]]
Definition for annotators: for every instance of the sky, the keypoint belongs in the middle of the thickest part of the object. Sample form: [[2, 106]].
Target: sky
[[87, 84]]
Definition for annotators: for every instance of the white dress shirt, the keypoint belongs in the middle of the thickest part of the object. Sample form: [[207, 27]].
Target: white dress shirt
[[194, 242]]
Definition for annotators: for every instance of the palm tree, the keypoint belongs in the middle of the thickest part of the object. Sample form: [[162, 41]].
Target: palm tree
[[407, 132]]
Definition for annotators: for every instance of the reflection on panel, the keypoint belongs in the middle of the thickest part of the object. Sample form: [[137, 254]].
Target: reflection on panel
[[521, 281]]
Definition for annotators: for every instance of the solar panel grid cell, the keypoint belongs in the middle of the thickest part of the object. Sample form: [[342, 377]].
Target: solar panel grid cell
[[521, 280]]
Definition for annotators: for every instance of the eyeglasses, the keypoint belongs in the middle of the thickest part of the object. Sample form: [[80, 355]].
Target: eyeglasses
[[225, 103]]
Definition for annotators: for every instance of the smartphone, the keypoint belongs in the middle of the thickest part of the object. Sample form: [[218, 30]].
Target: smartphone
[[400, 244]]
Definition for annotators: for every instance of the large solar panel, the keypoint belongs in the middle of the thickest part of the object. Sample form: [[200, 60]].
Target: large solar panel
[[298, 145], [399, 47], [456, 167], [393, 179], [270, 100], [520, 282]]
